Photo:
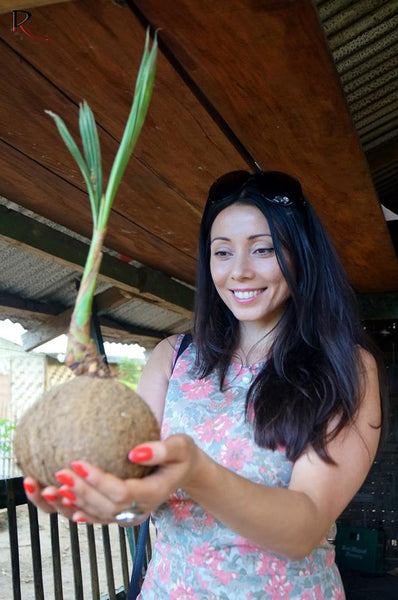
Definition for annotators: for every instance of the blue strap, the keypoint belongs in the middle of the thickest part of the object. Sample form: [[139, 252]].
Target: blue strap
[[135, 581], [186, 340], [136, 575]]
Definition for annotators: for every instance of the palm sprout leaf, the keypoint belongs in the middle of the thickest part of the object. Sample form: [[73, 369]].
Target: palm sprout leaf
[[142, 95], [90, 166], [74, 150], [92, 150]]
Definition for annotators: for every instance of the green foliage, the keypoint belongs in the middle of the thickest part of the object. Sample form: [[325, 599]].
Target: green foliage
[[6, 430], [90, 164], [130, 370]]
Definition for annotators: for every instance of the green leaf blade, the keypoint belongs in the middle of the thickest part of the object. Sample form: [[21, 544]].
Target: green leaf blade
[[92, 149], [142, 95], [74, 150]]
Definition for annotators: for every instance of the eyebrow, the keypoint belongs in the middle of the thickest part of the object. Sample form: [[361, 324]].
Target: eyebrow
[[251, 237]]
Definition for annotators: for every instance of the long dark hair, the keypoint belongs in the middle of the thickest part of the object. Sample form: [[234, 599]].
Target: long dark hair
[[313, 370]]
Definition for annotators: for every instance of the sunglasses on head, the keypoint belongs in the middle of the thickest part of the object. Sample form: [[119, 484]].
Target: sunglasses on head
[[274, 186]]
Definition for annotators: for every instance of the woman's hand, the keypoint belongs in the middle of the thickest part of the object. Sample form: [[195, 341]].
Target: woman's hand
[[89, 494]]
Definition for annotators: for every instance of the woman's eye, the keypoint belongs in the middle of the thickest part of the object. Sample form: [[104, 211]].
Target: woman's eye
[[263, 250], [221, 253]]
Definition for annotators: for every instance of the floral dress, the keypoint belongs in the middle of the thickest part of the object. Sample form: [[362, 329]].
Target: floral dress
[[195, 556]]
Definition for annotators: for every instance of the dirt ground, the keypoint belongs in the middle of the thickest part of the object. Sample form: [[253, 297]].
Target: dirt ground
[[26, 570]]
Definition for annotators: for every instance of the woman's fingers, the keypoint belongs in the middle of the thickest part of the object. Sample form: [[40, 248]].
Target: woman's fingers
[[47, 499], [176, 448], [33, 492], [89, 494], [83, 485]]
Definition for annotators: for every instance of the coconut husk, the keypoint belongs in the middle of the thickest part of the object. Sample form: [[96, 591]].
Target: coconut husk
[[87, 418]]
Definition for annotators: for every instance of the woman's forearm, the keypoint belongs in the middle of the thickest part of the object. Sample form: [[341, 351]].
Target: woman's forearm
[[282, 520]]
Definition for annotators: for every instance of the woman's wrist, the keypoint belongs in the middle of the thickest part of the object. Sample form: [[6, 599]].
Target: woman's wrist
[[201, 472]]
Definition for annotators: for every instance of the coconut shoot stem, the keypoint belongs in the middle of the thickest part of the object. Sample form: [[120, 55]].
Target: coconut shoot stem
[[82, 355]]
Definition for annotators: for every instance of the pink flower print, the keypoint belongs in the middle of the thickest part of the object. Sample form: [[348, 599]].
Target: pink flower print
[[181, 367], [197, 389], [225, 577], [214, 430], [221, 403], [207, 521], [205, 556], [308, 595], [245, 546], [165, 431], [183, 592], [318, 594], [330, 558], [181, 509], [269, 564], [236, 454], [279, 588], [338, 593], [163, 571]]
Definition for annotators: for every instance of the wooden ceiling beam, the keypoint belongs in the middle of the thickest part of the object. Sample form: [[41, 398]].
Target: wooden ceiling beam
[[13, 304], [56, 325], [95, 53], [267, 69], [10, 5], [31, 235]]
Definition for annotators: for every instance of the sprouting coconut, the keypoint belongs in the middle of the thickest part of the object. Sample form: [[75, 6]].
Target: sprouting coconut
[[94, 416]]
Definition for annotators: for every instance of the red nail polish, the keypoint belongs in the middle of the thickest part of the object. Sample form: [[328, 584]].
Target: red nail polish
[[65, 479], [79, 520], [50, 497], [64, 493], [29, 487], [141, 454], [79, 469], [67, 503]]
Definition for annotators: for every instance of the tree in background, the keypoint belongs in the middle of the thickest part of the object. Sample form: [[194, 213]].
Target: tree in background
[[130, 370]]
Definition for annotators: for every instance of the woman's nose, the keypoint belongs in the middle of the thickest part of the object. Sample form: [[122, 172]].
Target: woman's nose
[[242, 268]]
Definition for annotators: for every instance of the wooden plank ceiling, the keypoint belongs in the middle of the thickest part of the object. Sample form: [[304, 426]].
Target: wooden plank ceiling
[[238, 82]]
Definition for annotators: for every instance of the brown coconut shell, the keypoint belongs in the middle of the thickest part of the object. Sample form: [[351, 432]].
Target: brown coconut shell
[[87, 418]]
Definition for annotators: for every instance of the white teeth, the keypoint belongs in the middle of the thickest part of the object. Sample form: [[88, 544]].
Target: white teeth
[[245, 295]]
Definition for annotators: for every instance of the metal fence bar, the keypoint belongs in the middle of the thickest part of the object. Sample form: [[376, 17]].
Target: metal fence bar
[[12, 495], [13, 535], [36, 552], [108, 562], [56, 556], [77, 565], [123, 557], [92, 552]]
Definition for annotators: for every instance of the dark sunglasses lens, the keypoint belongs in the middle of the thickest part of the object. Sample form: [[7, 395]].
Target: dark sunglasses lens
[[274, 184], [228, 184]]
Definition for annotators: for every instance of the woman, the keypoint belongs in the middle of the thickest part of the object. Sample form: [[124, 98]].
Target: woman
[[271, 417]]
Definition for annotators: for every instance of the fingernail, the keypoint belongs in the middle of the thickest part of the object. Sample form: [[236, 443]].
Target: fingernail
[[49, 497], [79, 469], [141, 454], [68, 503], [65, 479], [64, 493], [29, 487], [79, 519]]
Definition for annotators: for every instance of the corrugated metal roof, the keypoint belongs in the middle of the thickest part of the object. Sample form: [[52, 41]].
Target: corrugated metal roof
[[36, 278], [363, 39], [30, 276]]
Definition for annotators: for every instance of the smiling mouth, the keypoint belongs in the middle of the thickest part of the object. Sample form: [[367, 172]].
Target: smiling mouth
[[246, 295]]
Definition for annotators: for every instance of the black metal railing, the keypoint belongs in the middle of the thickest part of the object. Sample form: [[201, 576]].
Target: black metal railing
[[84, 569]]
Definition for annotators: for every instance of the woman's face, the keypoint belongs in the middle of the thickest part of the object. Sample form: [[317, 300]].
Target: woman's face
[[244, 266]]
